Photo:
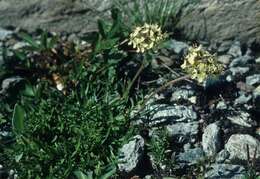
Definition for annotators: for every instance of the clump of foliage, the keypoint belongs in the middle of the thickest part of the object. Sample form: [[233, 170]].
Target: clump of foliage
[[200, 64], [139, 12], [59, 132], [251, 167], [47, 58], [73, 111], [62, 134], [57, 135], [158, 147]]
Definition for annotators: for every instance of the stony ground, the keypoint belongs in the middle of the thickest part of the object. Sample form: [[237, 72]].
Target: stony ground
[[209, 128], [214, 126]]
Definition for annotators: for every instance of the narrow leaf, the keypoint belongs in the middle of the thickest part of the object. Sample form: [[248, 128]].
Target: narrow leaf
[[21, 55], [44, 40], [29, 40], [18, 157], [102, 28], [109, 174], [29, 90], [52, 42], [18, 119], [81, 175]]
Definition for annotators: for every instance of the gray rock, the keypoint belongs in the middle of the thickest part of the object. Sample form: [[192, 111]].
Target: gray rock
[[130, 154], [257, 60], [190, 157], [253, 80], [242, 118], [230, 78], [19, 45], [243, 99], [218, 21], [237, 146], [235, 49], [211, 140], [183, 130], [222, 156], [179, 47], [211, 20], [182, 94], [225, 171], [4, 33], [7, 83], [5, 134], [239, 71], [256, 92], [171, 114], [241, 61], [73, 38], [221, 105], [257, 132], [224, 47], [187, 147], [225, 59], [55, 15], [249, 52], [1, 57]]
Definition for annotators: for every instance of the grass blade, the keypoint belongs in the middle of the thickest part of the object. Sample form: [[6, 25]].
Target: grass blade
[[18, 119], [29, 40]]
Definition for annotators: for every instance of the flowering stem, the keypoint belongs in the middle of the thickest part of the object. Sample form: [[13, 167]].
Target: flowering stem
[[174, 72], [166, 85], [121, 43], [133, 80], [161, 89]]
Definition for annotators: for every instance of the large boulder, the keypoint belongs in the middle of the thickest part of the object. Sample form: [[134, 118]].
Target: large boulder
[[70, 16], [220, 20], [210, 20], [237, 147]]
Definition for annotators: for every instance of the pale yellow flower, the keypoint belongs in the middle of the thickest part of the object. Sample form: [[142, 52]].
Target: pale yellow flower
[[200, 64], [146, 37]]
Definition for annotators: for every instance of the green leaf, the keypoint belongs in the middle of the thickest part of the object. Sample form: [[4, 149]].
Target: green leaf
[[2, 119], [18, 119], [21, 55], [44, 40], [29, 40], [102, 28], [29, 90], [109, 173], [81, 175], [18, 157], [108, 44], [52, 42]]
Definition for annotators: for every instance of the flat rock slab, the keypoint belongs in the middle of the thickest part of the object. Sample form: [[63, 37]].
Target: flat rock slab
[[70, 16], [237, 147], [211, 139], [130, 154], [212, 20], [219, 20], [225, 171]]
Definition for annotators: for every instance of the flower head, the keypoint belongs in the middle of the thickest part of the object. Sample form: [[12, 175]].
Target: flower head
[[146, 37], [200, 64]]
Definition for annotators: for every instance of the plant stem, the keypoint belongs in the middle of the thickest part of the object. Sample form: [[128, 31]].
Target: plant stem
[[173, 72], [161, 89], [133, 80], [168, 84]]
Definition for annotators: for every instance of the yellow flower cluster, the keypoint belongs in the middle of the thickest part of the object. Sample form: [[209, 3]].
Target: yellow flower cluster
[[146, 37], [200, 64]]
